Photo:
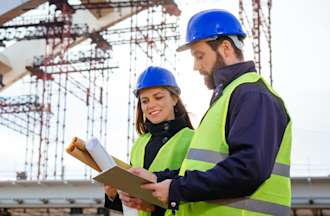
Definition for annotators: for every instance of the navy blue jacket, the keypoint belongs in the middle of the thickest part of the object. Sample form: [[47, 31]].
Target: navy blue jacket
[[255, 125]]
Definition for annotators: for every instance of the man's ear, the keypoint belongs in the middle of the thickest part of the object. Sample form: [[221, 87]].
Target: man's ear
[[225, 49]]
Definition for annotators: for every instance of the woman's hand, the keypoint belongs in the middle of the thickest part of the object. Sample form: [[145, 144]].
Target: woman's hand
[[110, 191], [135, 203]]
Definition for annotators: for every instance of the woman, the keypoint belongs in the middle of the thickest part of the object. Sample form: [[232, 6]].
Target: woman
[[164, 129]]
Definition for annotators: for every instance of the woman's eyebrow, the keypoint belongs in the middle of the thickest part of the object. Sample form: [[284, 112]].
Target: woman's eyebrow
[[159, 93], [143, 97]]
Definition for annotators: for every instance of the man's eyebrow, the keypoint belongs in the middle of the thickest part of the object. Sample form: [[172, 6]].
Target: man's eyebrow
[[197, 52]]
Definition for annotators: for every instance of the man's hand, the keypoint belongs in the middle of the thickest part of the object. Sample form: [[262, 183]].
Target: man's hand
[[144, 174], [136, 203], [110, 191], [160, 190]]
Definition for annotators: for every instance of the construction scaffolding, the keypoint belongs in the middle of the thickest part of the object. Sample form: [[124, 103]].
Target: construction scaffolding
[[65, 80], [56, 78], [63, 74], [68, 89]]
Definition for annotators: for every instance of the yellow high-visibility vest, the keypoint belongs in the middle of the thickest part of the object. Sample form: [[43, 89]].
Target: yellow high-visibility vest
[[209, 147], [170, 155]]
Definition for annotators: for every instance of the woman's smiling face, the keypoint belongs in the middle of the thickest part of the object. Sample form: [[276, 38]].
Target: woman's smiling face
[[157, 104]]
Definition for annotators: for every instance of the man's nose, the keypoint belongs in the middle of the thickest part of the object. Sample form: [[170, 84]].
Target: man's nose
[[196, 66]]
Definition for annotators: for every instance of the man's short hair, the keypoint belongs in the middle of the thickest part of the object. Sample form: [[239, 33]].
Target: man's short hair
[[214, 44]]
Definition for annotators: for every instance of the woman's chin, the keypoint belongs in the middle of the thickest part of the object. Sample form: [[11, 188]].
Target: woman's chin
[[156, 120]]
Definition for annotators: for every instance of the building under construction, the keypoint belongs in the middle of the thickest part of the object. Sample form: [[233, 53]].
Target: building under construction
[[58, 60]]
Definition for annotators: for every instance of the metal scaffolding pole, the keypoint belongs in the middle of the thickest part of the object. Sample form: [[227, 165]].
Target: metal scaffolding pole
[[256, 20]]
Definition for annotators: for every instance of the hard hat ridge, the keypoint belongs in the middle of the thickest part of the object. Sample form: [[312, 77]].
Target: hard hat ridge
[[211, 24], [156, 77]]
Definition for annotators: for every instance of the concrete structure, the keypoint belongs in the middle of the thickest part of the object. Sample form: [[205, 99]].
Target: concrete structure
[[311, 192], [50, 194], [307, 192], [13, 66], [14, 8]]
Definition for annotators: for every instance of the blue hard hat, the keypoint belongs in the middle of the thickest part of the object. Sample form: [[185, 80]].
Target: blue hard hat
[[156, 77], [210, 24]]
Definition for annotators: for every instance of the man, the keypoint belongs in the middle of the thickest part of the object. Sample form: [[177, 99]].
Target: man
[[239, 159]]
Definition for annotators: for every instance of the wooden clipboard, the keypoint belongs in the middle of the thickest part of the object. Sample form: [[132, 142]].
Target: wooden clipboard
[[125, 181]]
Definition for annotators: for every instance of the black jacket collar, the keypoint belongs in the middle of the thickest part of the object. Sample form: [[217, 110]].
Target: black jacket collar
[[229, 73], [226, 75], [167, 128]]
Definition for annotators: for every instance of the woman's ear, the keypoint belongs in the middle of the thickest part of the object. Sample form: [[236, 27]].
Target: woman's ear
[[175, 99]]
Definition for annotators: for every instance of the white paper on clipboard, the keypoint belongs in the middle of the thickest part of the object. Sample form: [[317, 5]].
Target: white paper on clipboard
[[105, 162]]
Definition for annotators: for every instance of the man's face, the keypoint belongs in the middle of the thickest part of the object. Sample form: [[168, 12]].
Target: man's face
[[206, 60]]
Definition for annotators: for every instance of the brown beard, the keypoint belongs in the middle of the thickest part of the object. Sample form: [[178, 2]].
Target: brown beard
[[218, 64], [209, 82]]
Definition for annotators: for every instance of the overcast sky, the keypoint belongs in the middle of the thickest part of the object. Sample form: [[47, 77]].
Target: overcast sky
[[301, 33]]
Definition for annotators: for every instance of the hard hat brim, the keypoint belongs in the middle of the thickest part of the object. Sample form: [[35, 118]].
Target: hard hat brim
[[174, 90], [183, 47], [188, 45]]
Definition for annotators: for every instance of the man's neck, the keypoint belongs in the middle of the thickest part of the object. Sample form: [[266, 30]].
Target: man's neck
[[232, 61]]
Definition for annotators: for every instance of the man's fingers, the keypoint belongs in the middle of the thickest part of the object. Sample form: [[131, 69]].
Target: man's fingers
[[150, 186], [155, 194], [135, 171]]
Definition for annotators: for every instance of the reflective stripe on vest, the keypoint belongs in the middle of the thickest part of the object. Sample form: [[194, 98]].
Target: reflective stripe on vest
[[206, 155], [216, 157], [255, 205]]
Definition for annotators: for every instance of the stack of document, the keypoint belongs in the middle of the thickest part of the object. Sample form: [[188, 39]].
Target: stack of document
[[94, 155], [77, 149], [112, 170]]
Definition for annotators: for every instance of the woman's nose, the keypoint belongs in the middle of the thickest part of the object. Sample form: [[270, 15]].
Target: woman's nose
[[151, 104]]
